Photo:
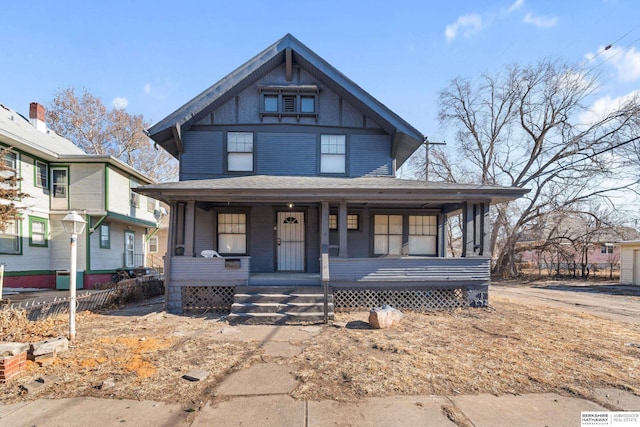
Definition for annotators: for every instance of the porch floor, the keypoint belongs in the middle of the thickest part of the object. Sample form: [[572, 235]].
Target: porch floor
[[285, 279]]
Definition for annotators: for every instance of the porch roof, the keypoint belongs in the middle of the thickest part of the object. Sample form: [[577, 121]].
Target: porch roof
[[386, 190]]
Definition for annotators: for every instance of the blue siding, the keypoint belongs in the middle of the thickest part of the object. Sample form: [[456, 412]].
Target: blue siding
[[203, 155], [370, 155], [261, 244], [286, 154]]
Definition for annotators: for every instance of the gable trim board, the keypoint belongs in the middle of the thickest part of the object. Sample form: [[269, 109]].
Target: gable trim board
[[167, 132]]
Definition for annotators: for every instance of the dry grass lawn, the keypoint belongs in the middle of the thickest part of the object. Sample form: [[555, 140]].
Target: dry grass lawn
[[508, 348]]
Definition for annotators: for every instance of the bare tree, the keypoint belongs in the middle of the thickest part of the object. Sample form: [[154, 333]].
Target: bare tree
[[9, 189], [87, 122], [526, 127]]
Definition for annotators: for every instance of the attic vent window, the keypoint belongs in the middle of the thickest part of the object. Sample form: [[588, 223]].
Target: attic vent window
[[296, 101]]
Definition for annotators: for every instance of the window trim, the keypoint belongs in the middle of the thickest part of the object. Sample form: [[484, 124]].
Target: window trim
[[52, 169], [153, 238], [334, 217], [282, 92], [246, 231], [36, 174], [102, 245], [253, 153], [344, 155], [45, 233], [405, 232]]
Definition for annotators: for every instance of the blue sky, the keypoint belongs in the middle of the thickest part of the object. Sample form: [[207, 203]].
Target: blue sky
[[153, 56]]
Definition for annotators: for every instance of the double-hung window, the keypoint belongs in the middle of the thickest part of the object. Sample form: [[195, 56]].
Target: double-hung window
[[105, 236], [240, 152], [387, 235], [333, 154], [423, 230], [232, 233], [59, 183], [37, 232], [153, 245], [10, 238], [42, 174]]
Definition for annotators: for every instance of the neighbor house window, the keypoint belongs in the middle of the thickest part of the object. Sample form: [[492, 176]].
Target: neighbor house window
[[232, 233], [153, 245], [240, 151], [42, 174], [135, 197], [152, 204], [59, 183], [606, 249], [10, 160], [10, 238], [105, 236], [37, 231], [387, 235], [423, 230], [332, 153]]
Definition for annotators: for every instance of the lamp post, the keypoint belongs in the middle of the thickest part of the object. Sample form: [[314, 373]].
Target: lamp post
[[73, 224]]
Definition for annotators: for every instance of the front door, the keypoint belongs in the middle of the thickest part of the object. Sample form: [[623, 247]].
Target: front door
[[129, 248], [290, 241]]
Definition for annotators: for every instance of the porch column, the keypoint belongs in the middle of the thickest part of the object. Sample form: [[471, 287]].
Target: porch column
[[443, 236], [342, 230], [189, 228], [485, 245], [324, 227], [468, 221]]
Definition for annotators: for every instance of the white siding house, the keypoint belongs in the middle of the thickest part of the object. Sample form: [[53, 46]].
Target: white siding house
[[59, 177], [630, 262]]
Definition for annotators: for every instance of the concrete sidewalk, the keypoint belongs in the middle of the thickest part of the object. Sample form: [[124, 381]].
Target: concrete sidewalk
[[282, 410]]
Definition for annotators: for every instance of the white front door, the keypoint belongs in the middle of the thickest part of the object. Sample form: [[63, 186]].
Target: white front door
[[129, 248], [290, 241]]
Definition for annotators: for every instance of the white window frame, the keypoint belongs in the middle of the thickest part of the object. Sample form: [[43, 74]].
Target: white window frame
[[333, 154], [423, 230], [55, 186], [232, 233], [41, 179], [151, 245], [240, 149]]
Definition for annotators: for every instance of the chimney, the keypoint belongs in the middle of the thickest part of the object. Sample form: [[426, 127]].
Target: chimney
[[36, 116]]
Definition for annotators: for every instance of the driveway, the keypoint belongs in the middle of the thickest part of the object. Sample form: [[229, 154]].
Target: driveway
[[609, 301]]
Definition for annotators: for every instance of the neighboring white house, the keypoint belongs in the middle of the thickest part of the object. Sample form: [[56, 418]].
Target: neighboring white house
[[59, 177], [630, 262]]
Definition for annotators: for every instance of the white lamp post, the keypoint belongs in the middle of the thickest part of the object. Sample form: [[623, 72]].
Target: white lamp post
[[74, 225]]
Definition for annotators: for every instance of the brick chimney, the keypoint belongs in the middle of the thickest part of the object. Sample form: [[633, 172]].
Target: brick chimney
[[37, 116]]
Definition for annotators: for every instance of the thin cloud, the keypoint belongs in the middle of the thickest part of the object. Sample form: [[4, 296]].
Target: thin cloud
[[604, 106], [540, 21], [625, 61], [515, 6], [466, 24], [147, 88], [119, 103]]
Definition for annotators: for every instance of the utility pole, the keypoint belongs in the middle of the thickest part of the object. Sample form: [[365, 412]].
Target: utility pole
[[427, 143]]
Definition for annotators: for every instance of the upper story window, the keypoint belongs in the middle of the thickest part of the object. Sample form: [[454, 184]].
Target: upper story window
[[333, 154], [10, 160], [42, 174], [134, 197], [289, 101], [239, 151], [606, 249], [59, 183]]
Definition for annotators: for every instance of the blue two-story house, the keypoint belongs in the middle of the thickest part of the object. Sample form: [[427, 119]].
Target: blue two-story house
[[286, 159]]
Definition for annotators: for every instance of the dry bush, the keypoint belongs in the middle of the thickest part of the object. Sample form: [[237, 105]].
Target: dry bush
[[15, 327]]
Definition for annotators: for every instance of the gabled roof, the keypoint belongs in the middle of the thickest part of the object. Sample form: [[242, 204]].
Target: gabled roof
[[18, 132], [303, 188], [167, 132]]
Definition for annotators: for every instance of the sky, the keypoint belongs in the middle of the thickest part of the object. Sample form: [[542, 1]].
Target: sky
[[151, 57]]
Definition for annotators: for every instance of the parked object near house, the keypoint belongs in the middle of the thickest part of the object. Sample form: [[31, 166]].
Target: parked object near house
[[286, 159], [630, 262], [59, 177]]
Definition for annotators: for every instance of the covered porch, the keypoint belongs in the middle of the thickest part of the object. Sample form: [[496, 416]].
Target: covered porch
[[382, 238]]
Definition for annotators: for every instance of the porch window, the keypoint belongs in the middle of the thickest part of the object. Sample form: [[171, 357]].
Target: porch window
[[333, 153], [232, 233], [423, 230], [42, 174], [353, 222], [240, 151], [388, 234], [10, 238]]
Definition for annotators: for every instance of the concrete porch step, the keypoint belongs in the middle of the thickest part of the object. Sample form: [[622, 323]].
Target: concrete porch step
[[279, 305]]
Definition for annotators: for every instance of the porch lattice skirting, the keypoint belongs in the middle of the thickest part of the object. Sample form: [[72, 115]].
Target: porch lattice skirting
[[199, 299]]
